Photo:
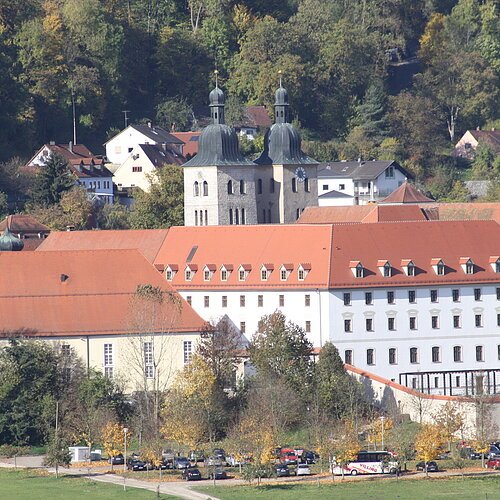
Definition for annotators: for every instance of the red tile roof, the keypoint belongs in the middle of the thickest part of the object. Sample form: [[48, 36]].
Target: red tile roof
[[258, 116], [490, 138], [469, 211], [419, 241], [190, 140], [82, 293], [407, 193], [147, 241], [394, 213], [24, 224], [250, 247]]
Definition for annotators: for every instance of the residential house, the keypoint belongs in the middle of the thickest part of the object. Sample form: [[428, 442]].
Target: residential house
[[143, 161], [190, 140], [256, 119], [468, 143], [89, 170], [358, 182], [26, 228]]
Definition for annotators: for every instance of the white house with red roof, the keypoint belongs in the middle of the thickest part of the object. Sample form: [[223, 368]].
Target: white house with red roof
[[89, 170], [414, 302]]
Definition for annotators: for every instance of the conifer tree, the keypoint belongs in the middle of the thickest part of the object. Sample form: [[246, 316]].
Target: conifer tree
[[52, 181]]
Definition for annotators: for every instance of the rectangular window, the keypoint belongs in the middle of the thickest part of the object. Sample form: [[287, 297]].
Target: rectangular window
[[263, 274], [455, 294], [308, 326], [188, 275], [413, 323], [271, 187], [148, 359], [392, 356], [413, 355], [65, 350], [457, 381], [370, 357], [243, 327], [434, 295], [241, 275], [412, 296], [435, 322], [242, 301], [391, 324], [302, 274], [478, 320], [498, 293], [206, 301], [390, 297], [369, 324], [136, 169], [479, 353], [223, 275], [169, 275], [224, 301], [347, 325], [436, 382], [281, 301], [498, 352], [206, 275], [348, 356], [456, 321], [341, 187], [368, 298], [436, 355], [307, 300], [188, 351], [189, 299], [498, 319], [389, 173], [347, 299], [457, 354], [325, 187], [260, 301], [283, 274], [108, 360], [477, 294]]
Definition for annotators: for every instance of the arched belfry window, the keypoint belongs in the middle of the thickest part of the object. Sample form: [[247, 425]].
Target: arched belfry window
[[230, 187], [196, 189], [205, 188]]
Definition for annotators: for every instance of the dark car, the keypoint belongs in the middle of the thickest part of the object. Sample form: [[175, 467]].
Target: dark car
[[196, 456], [181, 463], [309, 457], [135, 464], [219, 453], [164, 465], [218, 473], [474, 455], [431, 466], [282, 470], [191, 474], [117, 460], [493, 463]]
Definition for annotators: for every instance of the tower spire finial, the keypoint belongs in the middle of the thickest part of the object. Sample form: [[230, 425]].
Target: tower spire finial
[[280, 74], [216, 73]]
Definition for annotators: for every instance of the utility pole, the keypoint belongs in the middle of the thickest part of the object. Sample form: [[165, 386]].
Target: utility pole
[[74, 117], [125, 113]]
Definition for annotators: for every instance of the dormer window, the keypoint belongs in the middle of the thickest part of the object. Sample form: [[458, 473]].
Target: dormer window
[[188, 274], [495, 263], [408, 267], [243, 271], [357, 268], [208, 272], [225, 270], [467, 265], [170, 271], [385, 268], [265, 271], [285, 271], [190, 271], [302, 271], [439, 266]]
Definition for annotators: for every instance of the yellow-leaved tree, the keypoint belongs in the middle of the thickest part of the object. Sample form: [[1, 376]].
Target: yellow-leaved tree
[[345, 445], [429, 443], [113, 439], [188, 405], [450, 420], [380, 430]]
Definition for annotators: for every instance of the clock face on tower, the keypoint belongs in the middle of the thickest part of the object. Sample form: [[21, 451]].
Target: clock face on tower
[[300, 173]]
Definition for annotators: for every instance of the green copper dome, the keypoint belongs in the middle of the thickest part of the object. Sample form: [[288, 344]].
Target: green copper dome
[[9, 243]]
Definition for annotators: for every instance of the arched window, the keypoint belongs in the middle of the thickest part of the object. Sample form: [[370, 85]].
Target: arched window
[[294, 184], [205, 188], [236, 216], [230, 187], [242, 187], [196, 189], [243, 216], [271, 185], [306, 185], [259, 186]]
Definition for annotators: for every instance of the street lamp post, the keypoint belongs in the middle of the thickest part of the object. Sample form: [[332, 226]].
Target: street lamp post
[[382, 418], [125, 430]]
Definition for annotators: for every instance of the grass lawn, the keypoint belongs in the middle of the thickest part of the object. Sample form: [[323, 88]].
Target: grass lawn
[[425, 489], [28, 484]]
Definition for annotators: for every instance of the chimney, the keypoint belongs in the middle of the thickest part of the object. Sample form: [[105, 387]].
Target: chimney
[[172, 127], [64, 277], [70, 146], [52, 143], [493, 129], [478, 128], [150, 124]]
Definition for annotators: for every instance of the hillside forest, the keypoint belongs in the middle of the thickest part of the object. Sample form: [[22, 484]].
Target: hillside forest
[[384, 79]]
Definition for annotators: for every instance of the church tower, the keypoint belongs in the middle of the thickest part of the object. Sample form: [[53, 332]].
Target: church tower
[[286, 179], [219, 185]]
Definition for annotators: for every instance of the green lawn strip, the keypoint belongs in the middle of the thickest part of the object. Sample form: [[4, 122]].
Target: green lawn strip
[[441, 489], [30, 483]]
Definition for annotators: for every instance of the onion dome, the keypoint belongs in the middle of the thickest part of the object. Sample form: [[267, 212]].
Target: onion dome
[[218, 143], [9, 243], [282, 143]]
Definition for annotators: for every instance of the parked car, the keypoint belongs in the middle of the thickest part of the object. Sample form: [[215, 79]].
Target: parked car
[[216, 462], [164, 465], [196, 456], [493, 463], [282, 470], [135, 464], [117, 460], [309, 457], [191, 474], [181, 463], [219, 473], [431, 466], [474, 455], [288, 456], [302, 470], [219, 453], [444, 456], [494, 450]]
